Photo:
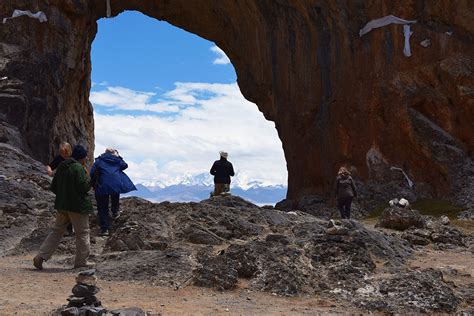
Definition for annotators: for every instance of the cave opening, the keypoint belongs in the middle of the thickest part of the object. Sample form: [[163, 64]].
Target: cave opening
[[168, 100]]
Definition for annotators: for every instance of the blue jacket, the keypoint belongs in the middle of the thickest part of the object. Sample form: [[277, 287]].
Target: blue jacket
[[112, 179]]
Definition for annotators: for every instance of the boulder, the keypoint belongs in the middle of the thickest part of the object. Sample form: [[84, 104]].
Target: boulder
[[400, 218]]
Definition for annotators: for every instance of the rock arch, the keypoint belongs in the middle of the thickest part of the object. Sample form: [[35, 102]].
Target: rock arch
[[334, 97]]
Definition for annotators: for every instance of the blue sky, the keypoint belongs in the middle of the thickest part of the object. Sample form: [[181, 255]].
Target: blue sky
[[141, 53], [168, 101]]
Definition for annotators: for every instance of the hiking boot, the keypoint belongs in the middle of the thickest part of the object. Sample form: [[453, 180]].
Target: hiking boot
[[116, 215], [86, 265], [38, 262]]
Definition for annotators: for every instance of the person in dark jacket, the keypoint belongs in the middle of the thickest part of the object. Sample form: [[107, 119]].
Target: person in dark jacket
[[345, 192], [222, 170], [70, 184], [112, 181], [65, 151]]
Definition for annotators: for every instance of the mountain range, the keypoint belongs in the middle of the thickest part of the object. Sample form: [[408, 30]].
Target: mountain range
[[199, 187]]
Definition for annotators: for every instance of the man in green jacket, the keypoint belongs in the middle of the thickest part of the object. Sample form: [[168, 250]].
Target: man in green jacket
[[70, 184]]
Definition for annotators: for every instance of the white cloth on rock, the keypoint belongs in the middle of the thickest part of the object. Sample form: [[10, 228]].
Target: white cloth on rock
[[386, 20], [391, 19], [409, 181], [407, 33], [40, 15]]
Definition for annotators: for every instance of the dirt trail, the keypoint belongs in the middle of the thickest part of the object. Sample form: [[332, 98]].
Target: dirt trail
[[26, 291], [456, 266]]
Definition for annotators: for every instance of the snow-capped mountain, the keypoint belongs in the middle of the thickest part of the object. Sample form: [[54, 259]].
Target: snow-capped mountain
[[195, 188], [186, 179]]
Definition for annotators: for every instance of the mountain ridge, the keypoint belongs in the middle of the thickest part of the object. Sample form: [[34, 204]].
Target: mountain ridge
[[198, 188]]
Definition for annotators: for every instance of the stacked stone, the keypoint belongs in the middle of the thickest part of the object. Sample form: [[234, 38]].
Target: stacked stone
[[83, 301]]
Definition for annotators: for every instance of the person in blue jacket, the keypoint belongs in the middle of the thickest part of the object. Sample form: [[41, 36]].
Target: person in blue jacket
[[109, 181]]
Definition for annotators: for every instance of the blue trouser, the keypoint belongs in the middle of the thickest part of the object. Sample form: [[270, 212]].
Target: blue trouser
[[103, 208], [344, 206]]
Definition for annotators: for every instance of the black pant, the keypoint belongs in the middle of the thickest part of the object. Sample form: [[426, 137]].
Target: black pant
[[344, 206], [103, 208]]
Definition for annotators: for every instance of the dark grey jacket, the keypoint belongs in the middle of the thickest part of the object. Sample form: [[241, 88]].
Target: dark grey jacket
[[345, 187], [222, 170]]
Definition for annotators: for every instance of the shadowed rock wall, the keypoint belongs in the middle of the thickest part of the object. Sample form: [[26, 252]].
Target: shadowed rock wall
[[335, 98]]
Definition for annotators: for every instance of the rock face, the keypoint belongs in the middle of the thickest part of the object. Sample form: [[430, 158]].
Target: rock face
[[25, 202], [336, 98]]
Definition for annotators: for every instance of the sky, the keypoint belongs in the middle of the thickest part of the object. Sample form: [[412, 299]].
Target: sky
[[169, 102]]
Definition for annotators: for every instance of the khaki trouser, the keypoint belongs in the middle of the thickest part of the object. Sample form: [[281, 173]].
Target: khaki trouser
[[80, 222], [219, 188]]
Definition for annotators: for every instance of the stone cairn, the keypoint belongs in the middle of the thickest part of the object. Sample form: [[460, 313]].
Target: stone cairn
[[83, 300]]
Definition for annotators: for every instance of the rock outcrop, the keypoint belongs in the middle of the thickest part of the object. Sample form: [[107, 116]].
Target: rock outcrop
[[417, 291], [336, 98], [218, 241], [225, 241], [26, 204]]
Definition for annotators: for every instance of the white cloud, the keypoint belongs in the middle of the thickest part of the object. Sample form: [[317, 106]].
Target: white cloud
[[164, 149], [221, 58], [119, 98]]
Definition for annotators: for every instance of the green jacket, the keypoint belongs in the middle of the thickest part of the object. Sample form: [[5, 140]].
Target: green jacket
[[71, 184]]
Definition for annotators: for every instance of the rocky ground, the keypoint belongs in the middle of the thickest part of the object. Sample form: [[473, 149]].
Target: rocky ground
[[227, 255]]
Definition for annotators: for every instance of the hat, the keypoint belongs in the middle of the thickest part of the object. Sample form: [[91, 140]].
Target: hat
[[223, 154], [79, 152]]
